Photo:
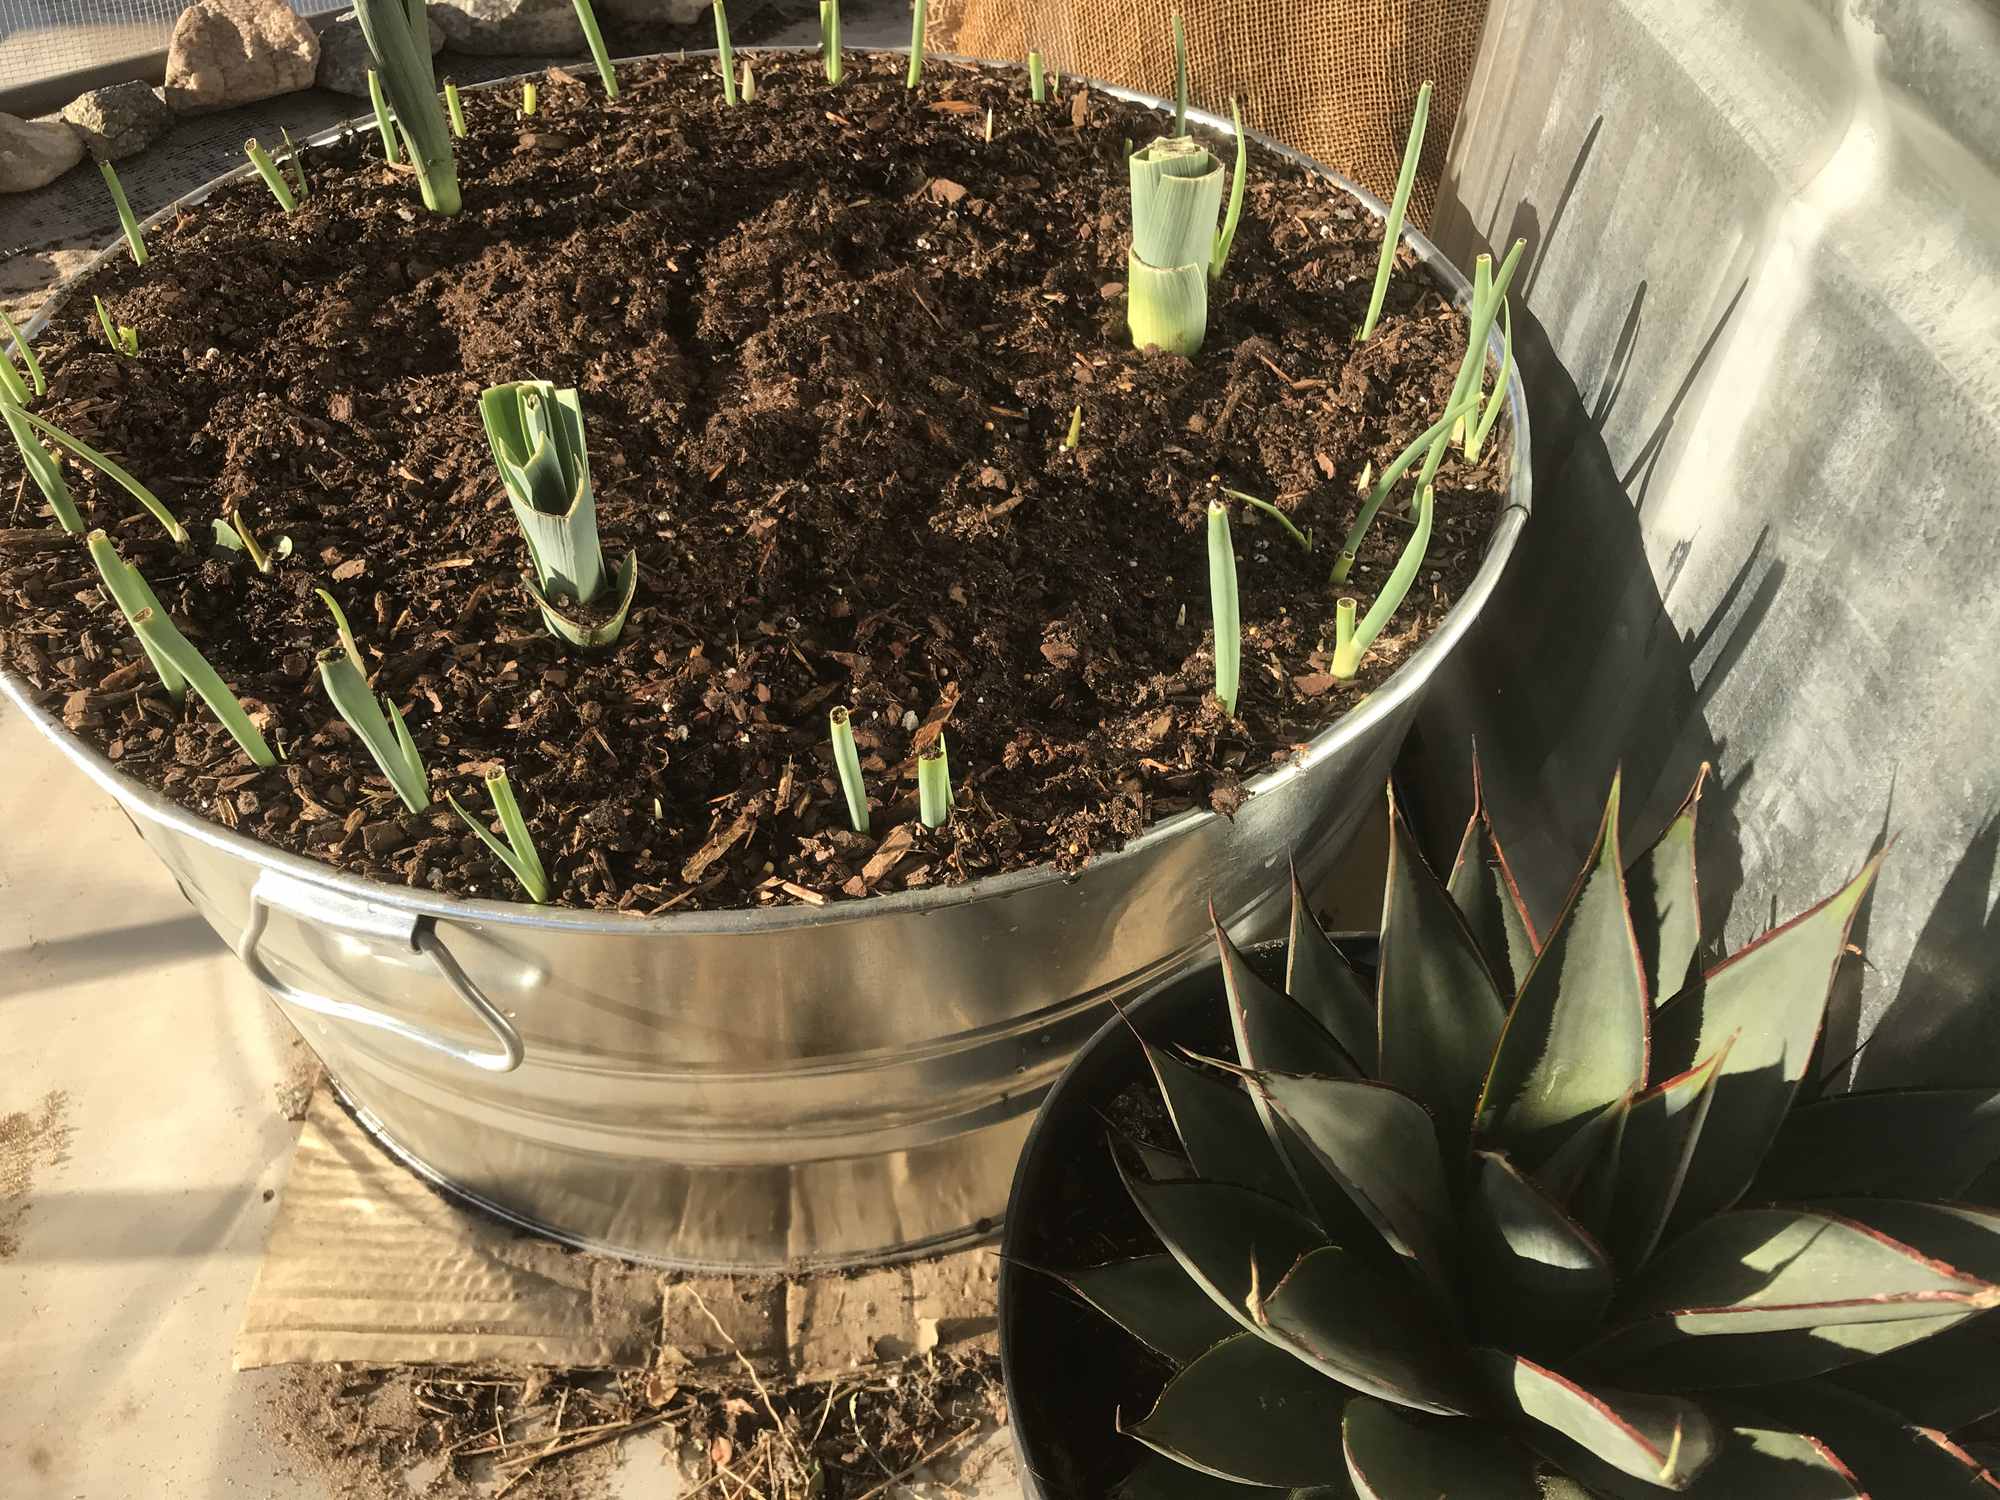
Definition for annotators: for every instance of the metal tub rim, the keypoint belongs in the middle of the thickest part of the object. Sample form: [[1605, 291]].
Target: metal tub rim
[[1408, 679]]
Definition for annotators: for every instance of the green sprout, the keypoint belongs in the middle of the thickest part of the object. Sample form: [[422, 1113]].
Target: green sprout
[[1176, 193], [919, 23], [1303, 538], [1225, 238], [1475, 440], [126, 221], [105, 466], [536, 432], [518, 854], [1348, 652], [989, 124], [1222, 605], [1489, 291], [42, 468], [455, 108], [1346, 656], [134, 596], [829, 38], [594, 38], [28, 361], [1350, 548], [347, 641], [530, 99], [379, 724], [1180, 77], [1075, 433], [934, 785], [273, 178], [295, 161], [1038, 86], [12, 387], [235, 535], [383, 123], [1392, 227], [162, 641], [749, 89], [122, 337], [726, 55], [847, 765], [398, 37]]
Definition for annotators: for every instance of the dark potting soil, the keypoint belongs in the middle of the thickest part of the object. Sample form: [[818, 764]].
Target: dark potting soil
[[828, 346]]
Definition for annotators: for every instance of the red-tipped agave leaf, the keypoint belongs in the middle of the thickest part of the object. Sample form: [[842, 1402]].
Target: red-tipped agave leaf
[[1395, 1454], [1220, 1127], [1662, 1128], [1920, 1143], [1156, 1302], [1539, 1281], [1890, 1458], [1665, 897], [1248, 1411], [1664, 1440], [1319, 979], [1483, 888]]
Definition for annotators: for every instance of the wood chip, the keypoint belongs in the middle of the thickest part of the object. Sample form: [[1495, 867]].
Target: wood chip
[[953, 107], [353, 568], [889, 852], [944, 190], [810, 897], [1314, 684], [718, 846]]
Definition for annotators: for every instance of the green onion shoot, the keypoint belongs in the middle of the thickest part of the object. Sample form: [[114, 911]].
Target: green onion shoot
[[1348, 651], [1223, 607], [1225, 237], [383, 123], [126, 221], [749, 89], [536, 433], [296, 163], [1490, 290], [1180, 77], [1304, 539], [1038, 86], [1176, 193], [847, 765], [273, 179], [919, 23], [726, 55], [43, 468], [518, 854], [134, 596], [455, 108], [829, 38], [12, 387], [27, 354], [1475, 440], [531, 99], [1392, 227], [161, 640], [380, 727], [1346, 659], [398, 38], [595, 40], [1350, 548], [122, 337], [233, 534], [1075, 434], [347, 641], [934, 785], [115, 472]]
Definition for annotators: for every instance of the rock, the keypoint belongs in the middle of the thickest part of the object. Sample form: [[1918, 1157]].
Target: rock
[[34, 153], [119, 121], [228, 52], [508, 28], [344, 59], [651, 12]]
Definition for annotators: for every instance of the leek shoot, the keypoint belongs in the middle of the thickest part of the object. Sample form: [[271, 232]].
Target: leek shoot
[[1347, 661], [380, 727], [383, 123], [919, 23], [455, 108], [158, 635], [116, 473], [847, 765], [594, 38], [123, 338], [1475, 442], [1304, 539], [1365, 517], [1075, 434], [126, 221], [28, 361], [43, 468], [273, 179], [1038, 85], [1225, 239], [934, 785], [1176, 193], [1223, 608], [829, 39], [133, 596], [1180, 77], [398, 38], [518, 854], [1392, 227], [531, 99], [726, 55]]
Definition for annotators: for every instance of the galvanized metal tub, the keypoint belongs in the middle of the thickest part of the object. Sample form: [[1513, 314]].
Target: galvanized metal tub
[[766, 1090]]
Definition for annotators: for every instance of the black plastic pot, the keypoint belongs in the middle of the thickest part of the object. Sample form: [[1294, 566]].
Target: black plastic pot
[[1069, 1372]]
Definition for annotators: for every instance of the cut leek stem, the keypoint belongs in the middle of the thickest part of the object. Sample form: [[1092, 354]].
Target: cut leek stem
[[847, 765], [398, 39], [1176, 193], [43, 468], [383, 123], [829, 39], [273, 179], [919, 24], [380, 726], [1345, 658], [455, 108], [594, 38], [725, 55], [133, 596], [1274, 513], [1392, 227], [1038, 86], [123, 338], [934, 785], [530, 99], [1225, 239], [158, 635], [518, 854], [1350, 548], [113, 471], [1223, 608], [1475, 442], [126, 221], [1075, 435], [1400, 578], [1180, 77], [28, 361], [749, 82]]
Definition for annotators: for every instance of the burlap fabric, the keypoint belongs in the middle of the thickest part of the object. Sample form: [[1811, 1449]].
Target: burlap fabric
[[1335, 78]]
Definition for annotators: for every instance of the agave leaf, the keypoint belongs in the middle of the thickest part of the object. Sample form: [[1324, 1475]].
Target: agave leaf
[[1663, 1440], [1774, 993], [1918, 1143], [1662, 1128], [1381, 1146], [1947, 1381], [1363, 1326], [1666, 900], [1394, 1454], [1248, 1411], [1153, 1299], [1438, 1009], [1160, 1478], [1228, 1239], [1483, 888], [1751, 1463], [1963, 1236], [1218, 1123], [1890, 1458], [590, 637], [1762, 1295], [1587, 1158], [1575, 1039], [1540, 1281], [1319, 979]]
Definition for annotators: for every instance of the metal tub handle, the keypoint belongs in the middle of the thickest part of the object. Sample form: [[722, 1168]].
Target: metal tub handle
[[368, 919]]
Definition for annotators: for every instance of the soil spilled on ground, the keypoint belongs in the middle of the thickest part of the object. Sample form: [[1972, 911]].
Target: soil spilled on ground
[[828, 346]]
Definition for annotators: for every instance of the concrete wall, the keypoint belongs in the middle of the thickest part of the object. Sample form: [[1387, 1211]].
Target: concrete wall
[[1764, 269]]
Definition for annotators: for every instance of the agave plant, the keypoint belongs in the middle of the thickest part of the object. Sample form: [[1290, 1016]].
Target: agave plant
[[1556, 1214]]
